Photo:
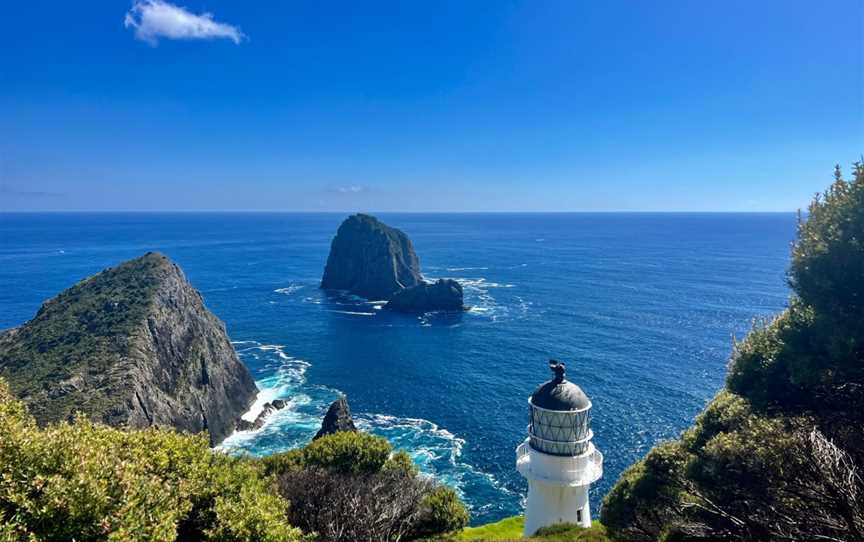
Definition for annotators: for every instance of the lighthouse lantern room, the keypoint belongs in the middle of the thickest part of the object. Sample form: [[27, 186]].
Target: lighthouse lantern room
[[558, 458]]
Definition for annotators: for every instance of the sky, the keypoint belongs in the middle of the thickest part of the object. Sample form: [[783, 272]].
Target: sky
[[427, 106]]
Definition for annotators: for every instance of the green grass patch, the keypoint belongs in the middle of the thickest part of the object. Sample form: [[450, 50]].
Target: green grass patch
[[510, 530]]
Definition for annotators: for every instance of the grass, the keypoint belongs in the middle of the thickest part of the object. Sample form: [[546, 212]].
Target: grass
[[510, 530]]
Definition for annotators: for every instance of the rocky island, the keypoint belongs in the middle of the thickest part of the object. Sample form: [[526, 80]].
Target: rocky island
[[133, 346], [373, 260], [370, 259]]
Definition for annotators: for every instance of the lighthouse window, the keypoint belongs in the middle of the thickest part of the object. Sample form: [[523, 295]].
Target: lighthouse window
[[579, 515]]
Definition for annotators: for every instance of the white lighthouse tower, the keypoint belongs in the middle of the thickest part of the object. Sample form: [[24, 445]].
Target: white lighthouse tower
[[558, 458]]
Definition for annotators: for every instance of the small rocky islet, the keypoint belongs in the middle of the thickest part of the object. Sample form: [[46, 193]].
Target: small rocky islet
[[373, 260]]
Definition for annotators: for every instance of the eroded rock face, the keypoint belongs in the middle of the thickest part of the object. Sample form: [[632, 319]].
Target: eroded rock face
[[370, 259], [338, 418], [443, 295], [132, 346]]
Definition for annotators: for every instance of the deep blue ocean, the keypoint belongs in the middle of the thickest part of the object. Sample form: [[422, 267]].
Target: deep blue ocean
[[643, 308]]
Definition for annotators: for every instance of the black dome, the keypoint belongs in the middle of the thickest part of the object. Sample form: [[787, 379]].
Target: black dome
[[559, 393]]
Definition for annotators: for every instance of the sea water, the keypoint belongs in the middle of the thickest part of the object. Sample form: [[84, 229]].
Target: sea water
[[643, 308]]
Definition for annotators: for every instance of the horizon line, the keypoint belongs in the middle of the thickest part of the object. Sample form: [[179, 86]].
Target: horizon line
[[274, 211]]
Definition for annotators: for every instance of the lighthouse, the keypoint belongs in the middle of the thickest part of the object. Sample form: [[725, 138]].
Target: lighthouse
[[558, 458]]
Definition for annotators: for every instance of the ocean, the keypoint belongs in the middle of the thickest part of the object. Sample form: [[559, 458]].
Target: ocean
[[642, 307]]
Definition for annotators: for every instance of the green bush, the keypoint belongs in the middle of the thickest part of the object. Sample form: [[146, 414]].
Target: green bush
[[350, 486], [85, 481], [442, 512], [778, 453], [348, 452]]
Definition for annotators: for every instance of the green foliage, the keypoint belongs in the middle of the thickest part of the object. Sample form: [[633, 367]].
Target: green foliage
[[827, 264], [85, 481], [345, 452], [401, 461], [812, 356], [443, 512], [775, 454]]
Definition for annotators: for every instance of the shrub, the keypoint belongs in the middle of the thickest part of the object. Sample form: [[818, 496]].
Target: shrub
[[441, 512], [777, 455], [348, 486], [85, 481]]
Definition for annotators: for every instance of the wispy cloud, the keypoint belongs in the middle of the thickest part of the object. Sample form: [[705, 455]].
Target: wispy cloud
[[353, 189], [155, 19], [6, 190]]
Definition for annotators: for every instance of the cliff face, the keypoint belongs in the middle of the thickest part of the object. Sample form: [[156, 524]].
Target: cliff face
[[443, 295], [370, 259], [131, 346]]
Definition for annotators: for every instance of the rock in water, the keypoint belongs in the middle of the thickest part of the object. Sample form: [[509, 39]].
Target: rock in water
[[132, 346], [338, 418], [444, 295], [370, 259], [269, 408]]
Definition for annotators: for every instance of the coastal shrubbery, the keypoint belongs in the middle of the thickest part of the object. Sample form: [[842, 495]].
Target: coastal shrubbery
[[85, 481], [350, 487], [778, 454]]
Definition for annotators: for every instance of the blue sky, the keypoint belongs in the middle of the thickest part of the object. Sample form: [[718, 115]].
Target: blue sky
[[427, 106]]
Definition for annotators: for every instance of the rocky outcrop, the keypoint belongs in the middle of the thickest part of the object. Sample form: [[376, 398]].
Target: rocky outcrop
[[338, 418], [133, 346], [443, 295], [370, 259], [266, 411]]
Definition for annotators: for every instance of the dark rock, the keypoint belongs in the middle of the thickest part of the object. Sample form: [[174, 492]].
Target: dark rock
[[266, 410], [443, 295], [133, 346], [338, 418], [370, 259]]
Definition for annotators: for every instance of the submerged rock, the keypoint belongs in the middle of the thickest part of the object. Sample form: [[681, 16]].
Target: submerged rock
[[370, 259], [269, 408], [338, 418], [133, 346], [443, 295]]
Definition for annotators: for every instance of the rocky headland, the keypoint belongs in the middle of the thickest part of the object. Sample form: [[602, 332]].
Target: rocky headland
[[133, 346]]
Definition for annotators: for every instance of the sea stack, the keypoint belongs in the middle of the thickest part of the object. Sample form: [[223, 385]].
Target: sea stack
[[370, 259], [133, 346], [443, 295], [338, 418]]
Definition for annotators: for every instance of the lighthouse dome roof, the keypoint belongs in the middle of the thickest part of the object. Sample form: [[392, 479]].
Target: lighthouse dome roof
[[559, 393]]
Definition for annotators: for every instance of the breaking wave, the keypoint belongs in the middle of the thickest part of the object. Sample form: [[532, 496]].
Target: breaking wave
[[437, 451]]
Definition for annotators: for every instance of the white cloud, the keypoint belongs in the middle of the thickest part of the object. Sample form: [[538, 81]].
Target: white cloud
[[353, 189], [154, 19]]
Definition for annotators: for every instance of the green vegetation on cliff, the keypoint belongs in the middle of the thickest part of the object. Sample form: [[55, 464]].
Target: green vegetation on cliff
[[776, 455]]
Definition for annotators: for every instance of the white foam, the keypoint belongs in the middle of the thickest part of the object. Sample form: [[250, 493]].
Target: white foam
[[355, 313], [288, 290]]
